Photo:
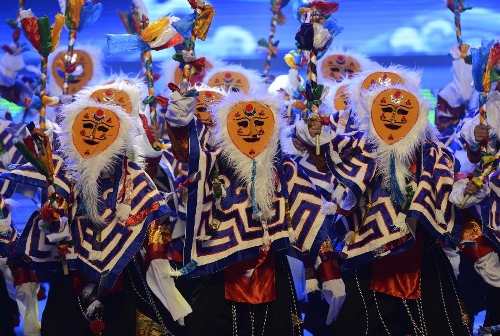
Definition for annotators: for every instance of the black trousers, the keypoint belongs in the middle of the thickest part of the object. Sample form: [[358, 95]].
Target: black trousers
[[213, 314], [366, 312], [63, 315]]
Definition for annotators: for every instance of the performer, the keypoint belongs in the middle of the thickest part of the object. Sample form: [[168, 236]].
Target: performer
[[339, 64], [454, 100], [112, 207], [244, 183], [18, 286], [397, 277], [473, 131]]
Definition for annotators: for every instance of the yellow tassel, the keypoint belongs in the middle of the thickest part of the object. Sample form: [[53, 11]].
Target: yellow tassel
[[74, 10], [56, 30], [154, 29]]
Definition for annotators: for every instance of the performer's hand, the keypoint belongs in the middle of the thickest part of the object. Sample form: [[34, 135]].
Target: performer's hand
[[481, 132], [470, 188], [314, 127], [298, 145]]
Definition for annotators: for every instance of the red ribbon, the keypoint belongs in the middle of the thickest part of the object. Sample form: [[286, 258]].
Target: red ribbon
[[173, 87], [32, 32], [162, 101], [198, 64], [324, 121]]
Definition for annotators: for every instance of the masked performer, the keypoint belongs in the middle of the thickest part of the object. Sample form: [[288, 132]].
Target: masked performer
[[247, 202], [397, 278], [109, 209]]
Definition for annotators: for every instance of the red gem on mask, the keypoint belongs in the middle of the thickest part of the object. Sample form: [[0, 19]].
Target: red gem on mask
[[99, 113], [384, 77], [228, 75], [340, 58], [249, 107], [208, 95], [397, 94]]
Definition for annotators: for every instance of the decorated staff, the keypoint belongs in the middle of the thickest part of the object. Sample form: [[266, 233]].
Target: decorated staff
[[270, 45], [315, 35], [79, 15], [457, 7], [157, 35], [483, 73], [193, 26], [484, 60], [45, 40]]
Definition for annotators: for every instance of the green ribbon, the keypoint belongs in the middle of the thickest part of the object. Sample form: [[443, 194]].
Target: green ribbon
[[45, 36]]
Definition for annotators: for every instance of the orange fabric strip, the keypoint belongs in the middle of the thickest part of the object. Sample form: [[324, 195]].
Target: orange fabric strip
[[259, 288]]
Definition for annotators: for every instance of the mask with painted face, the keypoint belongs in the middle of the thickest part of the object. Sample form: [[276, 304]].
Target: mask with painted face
[[394, 113], [203, 107], [230, 80], [339, 67], [94, 130], [250, 126]]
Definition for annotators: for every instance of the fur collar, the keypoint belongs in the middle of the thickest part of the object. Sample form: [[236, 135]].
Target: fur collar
[[360, 114], [242, 164], [85, 172], [405, 149]]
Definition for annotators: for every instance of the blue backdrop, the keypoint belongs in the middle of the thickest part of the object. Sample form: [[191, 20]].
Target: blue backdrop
[[416, 33]]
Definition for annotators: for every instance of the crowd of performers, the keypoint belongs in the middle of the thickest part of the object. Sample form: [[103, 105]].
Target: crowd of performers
[[235, 215]]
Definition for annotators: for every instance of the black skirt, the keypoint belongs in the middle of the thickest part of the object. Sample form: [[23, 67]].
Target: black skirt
[[214, 315], [63, 315], [437, 312]]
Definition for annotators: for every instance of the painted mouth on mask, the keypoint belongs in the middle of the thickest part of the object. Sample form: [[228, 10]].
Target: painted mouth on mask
[[392, 126], [90, 142], [251, 139]]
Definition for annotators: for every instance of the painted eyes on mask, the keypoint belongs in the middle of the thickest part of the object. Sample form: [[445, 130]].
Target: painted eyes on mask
[[99, 128], [244, 123], [391, 110]]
